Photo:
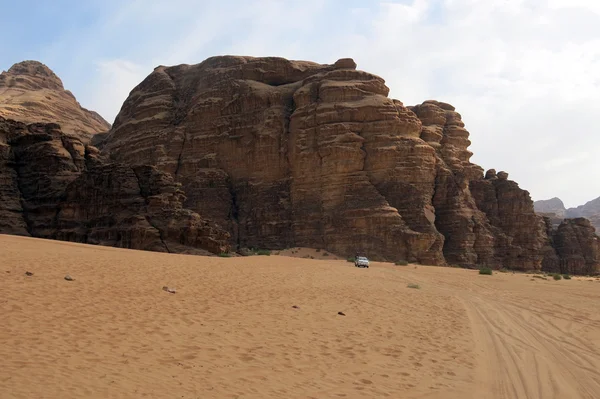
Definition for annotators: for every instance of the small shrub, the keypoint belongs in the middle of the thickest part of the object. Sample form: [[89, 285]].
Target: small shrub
[[401, 263], [225, 255], [312, 257], [325, 254], [486, 270], [557, 276], [263, 252], [415, 286], [318, 250], [351, 259], [566, 277]]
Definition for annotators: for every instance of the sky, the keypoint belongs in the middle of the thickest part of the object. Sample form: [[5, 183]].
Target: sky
[[524, 74]]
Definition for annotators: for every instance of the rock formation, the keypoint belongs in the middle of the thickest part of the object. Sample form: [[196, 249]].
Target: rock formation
[[552, 206], [556, 211], [298, 153], [31, 93], [55, 187], [576, 246], [280, 153]]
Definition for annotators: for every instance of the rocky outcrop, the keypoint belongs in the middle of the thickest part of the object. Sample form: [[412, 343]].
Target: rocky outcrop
[[55, 187], [468, 239], [11, 209], [31, 93], [282, 153], [287, 153], [556, 211], [576, 248], [295, 153], [519, 233]]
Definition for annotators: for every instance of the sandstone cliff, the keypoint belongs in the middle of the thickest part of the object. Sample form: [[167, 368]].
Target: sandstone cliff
[[31, 93], [289, 153], [576, 248], [55, 187], [278, 153]]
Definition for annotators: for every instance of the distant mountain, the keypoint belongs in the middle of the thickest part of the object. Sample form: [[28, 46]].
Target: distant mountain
[[555, 209], [553, 205], [30, 92]]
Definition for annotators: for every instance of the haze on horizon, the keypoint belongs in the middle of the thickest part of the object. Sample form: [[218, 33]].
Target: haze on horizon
[[524, 74]]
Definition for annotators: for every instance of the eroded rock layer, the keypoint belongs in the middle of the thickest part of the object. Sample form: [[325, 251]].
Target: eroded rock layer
[[31, 93], [287, 153], [55, 187], [576, 248], [280, 153]]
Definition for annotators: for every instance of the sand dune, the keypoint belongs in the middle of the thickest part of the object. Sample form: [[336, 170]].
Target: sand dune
[[231, 331]]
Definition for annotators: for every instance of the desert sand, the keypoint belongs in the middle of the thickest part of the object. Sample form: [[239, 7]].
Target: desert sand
[[268, 327]]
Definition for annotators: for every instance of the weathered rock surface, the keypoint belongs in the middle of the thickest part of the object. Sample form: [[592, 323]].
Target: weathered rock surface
[[55, 187], [576, 248], [31, 93], [519, 233], [280, 153], [289, 153]]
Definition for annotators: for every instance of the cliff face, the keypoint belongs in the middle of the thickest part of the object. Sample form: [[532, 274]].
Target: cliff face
[[287, 153], [294, 153], [576, 248], [55, 187], [279, 153], [31, 93]]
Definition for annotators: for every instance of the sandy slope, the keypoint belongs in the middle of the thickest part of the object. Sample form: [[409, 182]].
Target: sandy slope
[[230, 331]]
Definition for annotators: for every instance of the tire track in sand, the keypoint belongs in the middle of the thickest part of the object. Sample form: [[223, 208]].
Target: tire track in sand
[[529, 354]]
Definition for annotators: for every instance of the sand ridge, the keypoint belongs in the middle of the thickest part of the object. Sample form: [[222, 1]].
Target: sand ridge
[[231, 330]]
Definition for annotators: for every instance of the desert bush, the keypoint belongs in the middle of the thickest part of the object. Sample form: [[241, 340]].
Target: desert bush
[[566, 277], [225, 255], [415, 286], [486, 270], [352, 259], [263, 252], [401, 263], [557, 276]]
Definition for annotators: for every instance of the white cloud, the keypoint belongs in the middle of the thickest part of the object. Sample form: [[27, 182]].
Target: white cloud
[[525, 74], [116, 79]]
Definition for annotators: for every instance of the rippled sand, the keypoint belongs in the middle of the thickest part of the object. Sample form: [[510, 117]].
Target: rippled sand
[[231, 330]]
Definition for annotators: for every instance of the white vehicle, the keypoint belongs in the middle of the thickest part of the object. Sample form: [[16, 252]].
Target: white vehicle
[[361, 261]]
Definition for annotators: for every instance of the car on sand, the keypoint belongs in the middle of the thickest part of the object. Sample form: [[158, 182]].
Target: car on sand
[[361, 261]]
